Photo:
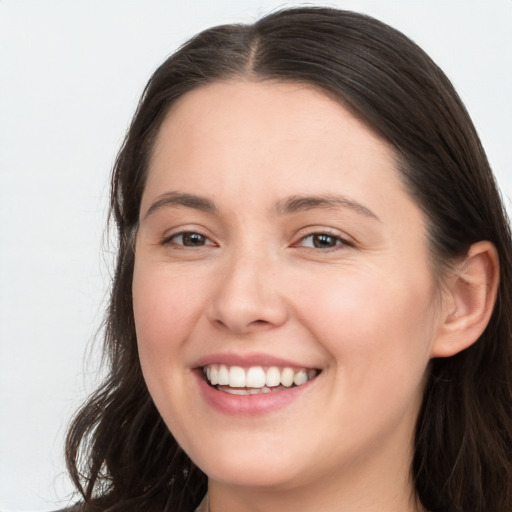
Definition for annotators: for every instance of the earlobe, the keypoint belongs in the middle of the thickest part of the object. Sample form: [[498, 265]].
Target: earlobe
[[472, 295]]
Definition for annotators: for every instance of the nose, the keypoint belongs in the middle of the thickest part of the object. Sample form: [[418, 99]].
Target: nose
[[249, 297]]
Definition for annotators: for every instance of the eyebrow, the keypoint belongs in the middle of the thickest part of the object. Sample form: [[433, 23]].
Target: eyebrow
[[289, 205], [298, 203], [174, 199]]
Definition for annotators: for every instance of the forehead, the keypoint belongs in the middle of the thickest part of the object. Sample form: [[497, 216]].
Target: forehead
[[286, 109], [244, 130]]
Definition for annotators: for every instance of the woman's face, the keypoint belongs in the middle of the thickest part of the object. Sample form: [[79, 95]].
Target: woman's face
[[277, 244]]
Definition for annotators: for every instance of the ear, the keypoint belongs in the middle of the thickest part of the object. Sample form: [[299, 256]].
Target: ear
[[468, 301]]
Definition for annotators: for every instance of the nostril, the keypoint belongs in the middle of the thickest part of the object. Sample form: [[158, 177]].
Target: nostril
[[242, 327]]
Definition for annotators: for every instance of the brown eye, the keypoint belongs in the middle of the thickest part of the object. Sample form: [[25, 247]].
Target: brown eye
[[321, 241], [190, 239]]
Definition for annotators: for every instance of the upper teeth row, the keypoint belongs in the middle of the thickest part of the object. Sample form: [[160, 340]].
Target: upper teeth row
[[256, 376]]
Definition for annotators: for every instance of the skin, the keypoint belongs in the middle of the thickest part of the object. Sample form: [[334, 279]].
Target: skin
[[366, 311]]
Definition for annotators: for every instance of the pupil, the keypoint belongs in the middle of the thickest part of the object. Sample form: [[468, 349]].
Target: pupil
[[322, 241], [193, 239]]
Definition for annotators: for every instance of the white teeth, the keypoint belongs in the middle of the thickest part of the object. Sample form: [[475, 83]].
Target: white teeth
[[213, 376], [273, 377], [255, 379], [287, 377], [301, 377], [223, 376], [236, 391], [236, 377]]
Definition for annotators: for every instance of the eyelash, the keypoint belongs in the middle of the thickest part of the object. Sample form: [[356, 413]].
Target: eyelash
[[338, 241], [183, 234], [321, 236]]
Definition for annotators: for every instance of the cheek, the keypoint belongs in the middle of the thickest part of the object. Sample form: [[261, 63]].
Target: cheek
[[375, 322], [165, 311]]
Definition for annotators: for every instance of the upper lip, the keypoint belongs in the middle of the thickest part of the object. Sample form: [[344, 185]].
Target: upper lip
[[248, 360]]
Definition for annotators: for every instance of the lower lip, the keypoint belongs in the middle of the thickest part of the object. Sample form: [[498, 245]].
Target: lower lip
[[249, 405]]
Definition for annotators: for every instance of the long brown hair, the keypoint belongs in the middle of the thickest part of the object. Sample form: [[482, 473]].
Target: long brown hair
[[120, 454]]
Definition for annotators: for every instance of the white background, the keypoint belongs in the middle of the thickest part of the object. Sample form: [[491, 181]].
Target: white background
[[71, 72]]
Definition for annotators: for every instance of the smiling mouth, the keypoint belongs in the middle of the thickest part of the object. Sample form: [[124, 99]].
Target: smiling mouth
[[256, 379]]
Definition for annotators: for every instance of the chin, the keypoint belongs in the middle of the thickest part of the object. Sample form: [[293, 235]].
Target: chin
[[258, 476], [250, 470]]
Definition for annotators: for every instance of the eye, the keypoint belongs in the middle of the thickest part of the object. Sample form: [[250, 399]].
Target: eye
[[321, 241], [189, 239]]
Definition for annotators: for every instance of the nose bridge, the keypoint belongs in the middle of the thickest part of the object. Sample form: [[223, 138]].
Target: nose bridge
[[247, 296]]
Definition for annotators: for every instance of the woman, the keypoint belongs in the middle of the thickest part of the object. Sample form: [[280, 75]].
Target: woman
[[310, 308]]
